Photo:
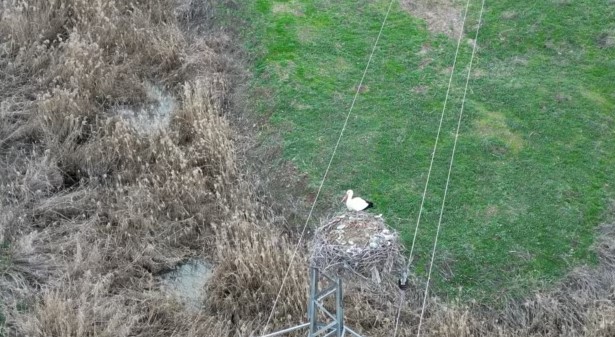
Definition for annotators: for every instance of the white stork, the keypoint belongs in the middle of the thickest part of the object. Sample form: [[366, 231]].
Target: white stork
[[356, 203]]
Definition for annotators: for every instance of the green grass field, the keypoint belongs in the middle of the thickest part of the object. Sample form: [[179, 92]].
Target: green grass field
[[536, 155]]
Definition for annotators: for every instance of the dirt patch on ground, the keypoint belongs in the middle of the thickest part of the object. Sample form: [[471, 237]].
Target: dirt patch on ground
[[442, 16], [362, 89], [292, 7], [606, 40], [493, 125]]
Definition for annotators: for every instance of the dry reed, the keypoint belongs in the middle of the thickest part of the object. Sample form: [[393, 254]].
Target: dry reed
[[92, 211]]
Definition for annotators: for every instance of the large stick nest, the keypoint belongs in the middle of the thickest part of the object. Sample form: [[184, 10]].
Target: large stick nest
[[359, 243]]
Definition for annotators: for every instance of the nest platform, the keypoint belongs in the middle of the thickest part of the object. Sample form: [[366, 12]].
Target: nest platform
[[359, 243]]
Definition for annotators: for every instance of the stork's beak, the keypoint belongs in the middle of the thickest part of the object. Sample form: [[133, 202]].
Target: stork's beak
[[345, 197]]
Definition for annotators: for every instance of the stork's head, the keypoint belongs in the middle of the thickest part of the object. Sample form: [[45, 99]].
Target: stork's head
[[347, 196]]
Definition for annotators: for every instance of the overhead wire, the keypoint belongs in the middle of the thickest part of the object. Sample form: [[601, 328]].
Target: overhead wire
[[433, 154], [328, 167], [435, 146], [450, 168]]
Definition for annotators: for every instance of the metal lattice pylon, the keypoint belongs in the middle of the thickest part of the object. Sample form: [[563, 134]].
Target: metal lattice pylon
[[333, 325]]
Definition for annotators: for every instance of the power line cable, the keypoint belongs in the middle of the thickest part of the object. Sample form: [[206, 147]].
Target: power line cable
[[328, 167], [450, 168], [433, 154], [435, 146]]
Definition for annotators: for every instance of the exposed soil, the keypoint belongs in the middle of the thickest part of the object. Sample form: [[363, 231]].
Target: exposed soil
[[441, 16]]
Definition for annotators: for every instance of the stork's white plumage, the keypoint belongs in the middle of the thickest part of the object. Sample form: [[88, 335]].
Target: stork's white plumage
[[356, 203]]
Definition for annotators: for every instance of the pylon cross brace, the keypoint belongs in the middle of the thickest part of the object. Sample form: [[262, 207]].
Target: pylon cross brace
[[333, 325]]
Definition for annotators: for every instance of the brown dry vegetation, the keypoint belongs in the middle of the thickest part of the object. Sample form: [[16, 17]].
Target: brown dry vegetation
[[441, 16], [92, 211]]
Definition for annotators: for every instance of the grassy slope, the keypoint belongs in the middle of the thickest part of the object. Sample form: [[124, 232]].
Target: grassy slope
[[529, 183]]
